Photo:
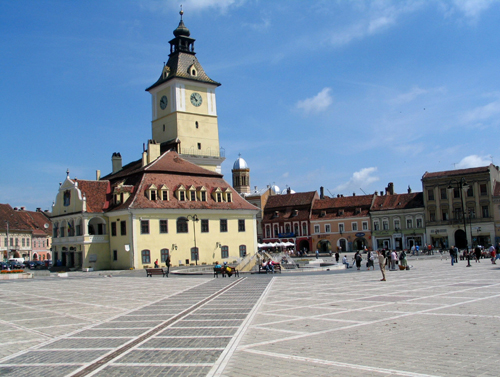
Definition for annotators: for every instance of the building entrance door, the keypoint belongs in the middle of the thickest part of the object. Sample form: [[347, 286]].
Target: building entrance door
[[460, 239]]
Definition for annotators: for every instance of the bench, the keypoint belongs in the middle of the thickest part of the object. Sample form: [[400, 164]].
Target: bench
[[277, 268], [222, 271], [156, 271]]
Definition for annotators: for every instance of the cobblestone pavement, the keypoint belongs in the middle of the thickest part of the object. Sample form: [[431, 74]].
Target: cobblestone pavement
[[434, 320]]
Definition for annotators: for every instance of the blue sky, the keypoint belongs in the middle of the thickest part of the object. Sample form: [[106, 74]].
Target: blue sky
[[349, 95]]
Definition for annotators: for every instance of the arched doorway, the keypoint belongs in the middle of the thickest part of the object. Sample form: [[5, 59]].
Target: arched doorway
[[304, 245], [343, 244], [359, 243], [324, 246], [460, 239]]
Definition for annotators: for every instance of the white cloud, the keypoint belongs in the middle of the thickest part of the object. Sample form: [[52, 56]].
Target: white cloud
[[191, 5], [375, 17], [482, 113], [319, 102], [409, 96], [472, 9], [473, 161], [359, 179]]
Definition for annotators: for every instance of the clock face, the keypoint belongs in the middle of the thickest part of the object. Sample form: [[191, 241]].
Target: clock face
[[196, 99], [163, 102]]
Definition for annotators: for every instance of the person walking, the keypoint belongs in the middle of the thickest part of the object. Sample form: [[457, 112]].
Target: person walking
[[369, 262], [156, 264], [337, 256], [493, 254], [402, 259], [452, 255], [358, 258], [381, 263], [317, 253], [167, 263], [477, 253], [394, 258]]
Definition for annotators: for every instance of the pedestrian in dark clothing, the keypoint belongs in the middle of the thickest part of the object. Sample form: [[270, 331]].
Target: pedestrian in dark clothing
[[358, 258], [337, 257]]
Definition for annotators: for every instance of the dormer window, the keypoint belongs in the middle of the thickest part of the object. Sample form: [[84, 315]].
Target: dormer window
[[217, 195], [152, 193], [295, 212], [164, 193], [228, 195], [181, 193], [276, 213], [192, 70], [341, 212], [202, 194], [322, 214], [357, 211], [192, 194]]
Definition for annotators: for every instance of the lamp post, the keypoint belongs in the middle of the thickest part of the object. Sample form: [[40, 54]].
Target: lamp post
[[461, 184], [195, 219]]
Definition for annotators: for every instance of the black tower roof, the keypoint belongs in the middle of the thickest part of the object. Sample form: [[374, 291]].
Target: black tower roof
[[182, 59]]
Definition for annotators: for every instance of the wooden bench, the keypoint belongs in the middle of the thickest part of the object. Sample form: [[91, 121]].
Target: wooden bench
[[156, 271], [222, 271], [277, 268]]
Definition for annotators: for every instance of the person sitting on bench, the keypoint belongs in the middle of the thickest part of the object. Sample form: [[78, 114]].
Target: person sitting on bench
[[344, 261]]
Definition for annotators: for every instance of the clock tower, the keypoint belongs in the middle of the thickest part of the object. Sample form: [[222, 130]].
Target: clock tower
[[184, 113]]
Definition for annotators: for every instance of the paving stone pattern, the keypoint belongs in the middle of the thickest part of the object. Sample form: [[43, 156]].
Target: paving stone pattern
[[434, 320]]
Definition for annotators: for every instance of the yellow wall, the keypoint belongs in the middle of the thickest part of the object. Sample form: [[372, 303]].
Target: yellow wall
[[206, 242]]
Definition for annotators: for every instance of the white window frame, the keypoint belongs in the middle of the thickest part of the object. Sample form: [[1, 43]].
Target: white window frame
[[354, 226], [328, 228]]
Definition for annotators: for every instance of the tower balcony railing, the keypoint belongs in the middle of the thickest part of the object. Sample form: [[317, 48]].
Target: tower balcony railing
[[209, 152]]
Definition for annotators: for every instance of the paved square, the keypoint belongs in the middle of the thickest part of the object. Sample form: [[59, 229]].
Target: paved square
[[434, 320]]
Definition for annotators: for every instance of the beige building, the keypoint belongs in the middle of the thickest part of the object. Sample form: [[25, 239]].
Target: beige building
[[341, 223], [171, 207], [80, 228], [460, 198]]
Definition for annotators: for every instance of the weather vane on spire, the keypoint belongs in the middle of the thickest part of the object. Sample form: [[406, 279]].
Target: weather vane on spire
[[181, 12]]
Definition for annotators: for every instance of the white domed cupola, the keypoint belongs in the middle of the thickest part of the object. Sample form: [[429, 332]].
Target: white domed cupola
[[241, 176]]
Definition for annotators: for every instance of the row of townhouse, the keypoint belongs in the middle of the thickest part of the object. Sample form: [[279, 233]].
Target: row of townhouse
[[24, 234], [458, 207]]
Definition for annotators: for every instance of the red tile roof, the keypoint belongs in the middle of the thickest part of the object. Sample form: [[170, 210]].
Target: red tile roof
[[344, 202], [97, 194], [451, 173], [173, 171], [24, 220], [398, 201], [291, 200]]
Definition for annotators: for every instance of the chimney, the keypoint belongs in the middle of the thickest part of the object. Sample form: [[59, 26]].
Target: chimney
[[116, 160], [321, 193], [97, 175], [144, 155], [153, 151], [39, 210], [353, 194], [409, 189], [381, 193], [288, 190], [338, 195], [389, 190]]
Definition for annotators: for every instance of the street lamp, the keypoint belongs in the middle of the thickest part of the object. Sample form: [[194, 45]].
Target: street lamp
[[195, 219], [461, 184]]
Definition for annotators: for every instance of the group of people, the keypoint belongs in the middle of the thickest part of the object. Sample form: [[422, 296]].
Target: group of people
[[227, 269], [268, 265], [476, 253], [386, 259]]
